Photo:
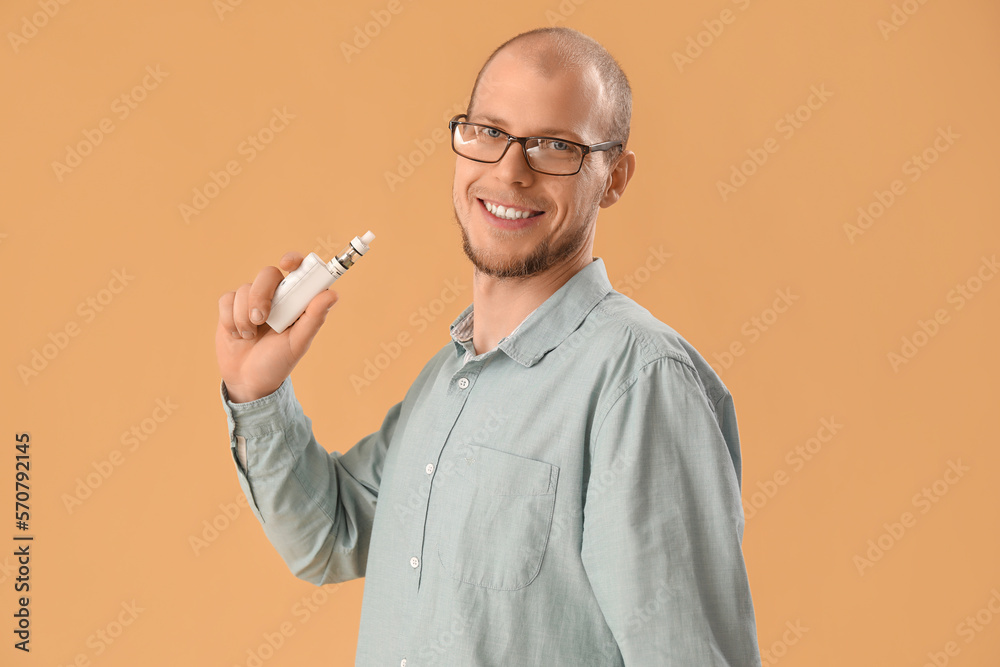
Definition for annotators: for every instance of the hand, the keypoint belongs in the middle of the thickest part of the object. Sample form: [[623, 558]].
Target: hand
[[254, 362]]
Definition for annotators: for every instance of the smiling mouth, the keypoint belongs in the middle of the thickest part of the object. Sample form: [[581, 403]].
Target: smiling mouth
[[509, 212]]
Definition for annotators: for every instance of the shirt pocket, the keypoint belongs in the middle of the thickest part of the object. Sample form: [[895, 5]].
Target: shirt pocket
[[500, 510]]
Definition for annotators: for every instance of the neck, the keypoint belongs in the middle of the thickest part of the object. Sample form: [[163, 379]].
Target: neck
[[501, 304]]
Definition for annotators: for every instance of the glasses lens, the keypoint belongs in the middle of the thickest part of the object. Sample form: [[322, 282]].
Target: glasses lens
[[554, 156], [479, 142]]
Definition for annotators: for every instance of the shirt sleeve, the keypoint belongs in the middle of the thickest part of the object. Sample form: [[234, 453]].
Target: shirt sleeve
[[663, 525], [316, 507]]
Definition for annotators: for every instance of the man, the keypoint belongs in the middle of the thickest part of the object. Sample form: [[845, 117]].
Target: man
[[561, 483]]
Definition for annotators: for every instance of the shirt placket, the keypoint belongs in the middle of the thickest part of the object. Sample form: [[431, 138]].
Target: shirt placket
[[459, 388]]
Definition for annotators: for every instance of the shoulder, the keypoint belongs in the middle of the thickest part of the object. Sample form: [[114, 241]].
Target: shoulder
[[619, 316], [648, 346]]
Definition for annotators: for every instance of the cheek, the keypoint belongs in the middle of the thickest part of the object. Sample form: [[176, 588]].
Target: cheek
[[590, 193], [580, 199], [460, 187]]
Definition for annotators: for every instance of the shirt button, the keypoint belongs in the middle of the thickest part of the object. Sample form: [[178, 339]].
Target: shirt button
[[414, 562], [429, 468], [463, 383]]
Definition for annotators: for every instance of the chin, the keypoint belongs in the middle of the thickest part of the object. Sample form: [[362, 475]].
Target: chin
[[503, 264]]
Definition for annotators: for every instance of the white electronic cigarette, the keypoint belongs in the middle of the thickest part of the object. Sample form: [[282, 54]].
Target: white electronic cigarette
[[313, 276]]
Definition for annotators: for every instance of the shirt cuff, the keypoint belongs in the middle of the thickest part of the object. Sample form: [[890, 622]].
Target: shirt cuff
[[258, 416], [262, 421]]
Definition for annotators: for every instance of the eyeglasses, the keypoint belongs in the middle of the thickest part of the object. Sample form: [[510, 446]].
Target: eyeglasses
[[546, 155]]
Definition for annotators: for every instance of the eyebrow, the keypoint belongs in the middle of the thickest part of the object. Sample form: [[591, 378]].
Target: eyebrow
[[545, 132]]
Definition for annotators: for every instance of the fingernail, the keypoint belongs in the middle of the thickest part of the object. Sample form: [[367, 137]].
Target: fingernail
[[248, 334], [256, 316], [236, 334]]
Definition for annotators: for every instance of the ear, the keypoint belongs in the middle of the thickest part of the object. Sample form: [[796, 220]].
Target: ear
[[618, 178]]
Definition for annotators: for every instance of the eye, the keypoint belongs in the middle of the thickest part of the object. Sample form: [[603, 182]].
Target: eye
[[492, 133], [555, 145]]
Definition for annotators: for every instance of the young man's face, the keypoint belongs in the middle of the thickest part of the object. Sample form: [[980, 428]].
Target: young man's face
[[515, 97]]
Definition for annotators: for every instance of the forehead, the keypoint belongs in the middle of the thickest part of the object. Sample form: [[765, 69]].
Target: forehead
[[530, 92]]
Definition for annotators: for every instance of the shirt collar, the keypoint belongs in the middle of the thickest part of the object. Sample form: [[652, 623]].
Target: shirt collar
[[549, 324]]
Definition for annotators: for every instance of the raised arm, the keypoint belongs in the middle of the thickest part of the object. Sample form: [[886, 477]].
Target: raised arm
[[316, 507]]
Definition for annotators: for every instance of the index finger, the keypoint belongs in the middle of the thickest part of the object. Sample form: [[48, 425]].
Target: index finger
[[262, 291], [291, 260]]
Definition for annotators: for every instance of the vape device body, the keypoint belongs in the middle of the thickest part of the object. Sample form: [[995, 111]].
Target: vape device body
[[313, 276]]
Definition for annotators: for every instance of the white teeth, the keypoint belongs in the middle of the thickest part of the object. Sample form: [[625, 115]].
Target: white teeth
[[506, 213]]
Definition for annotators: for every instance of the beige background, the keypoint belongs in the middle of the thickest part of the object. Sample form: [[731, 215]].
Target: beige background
[[887, 90]]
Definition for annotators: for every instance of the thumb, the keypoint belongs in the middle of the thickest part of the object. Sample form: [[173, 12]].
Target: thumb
[[302, 332]]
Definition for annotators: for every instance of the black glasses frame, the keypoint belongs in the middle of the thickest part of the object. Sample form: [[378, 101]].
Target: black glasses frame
[[511, 139]]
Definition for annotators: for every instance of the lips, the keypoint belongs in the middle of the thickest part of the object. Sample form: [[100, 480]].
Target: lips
[[508, 216], [509, 212]]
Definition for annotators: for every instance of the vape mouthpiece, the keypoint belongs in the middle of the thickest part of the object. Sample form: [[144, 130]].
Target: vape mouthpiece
[[360, 243]]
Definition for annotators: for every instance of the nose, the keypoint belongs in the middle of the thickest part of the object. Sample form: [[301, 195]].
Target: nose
[[513, 166]]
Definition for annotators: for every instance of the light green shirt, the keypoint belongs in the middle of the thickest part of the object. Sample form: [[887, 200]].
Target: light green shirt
[[570, 497]]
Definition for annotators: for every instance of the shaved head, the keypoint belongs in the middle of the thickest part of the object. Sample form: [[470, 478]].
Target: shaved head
[[552, 50]]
